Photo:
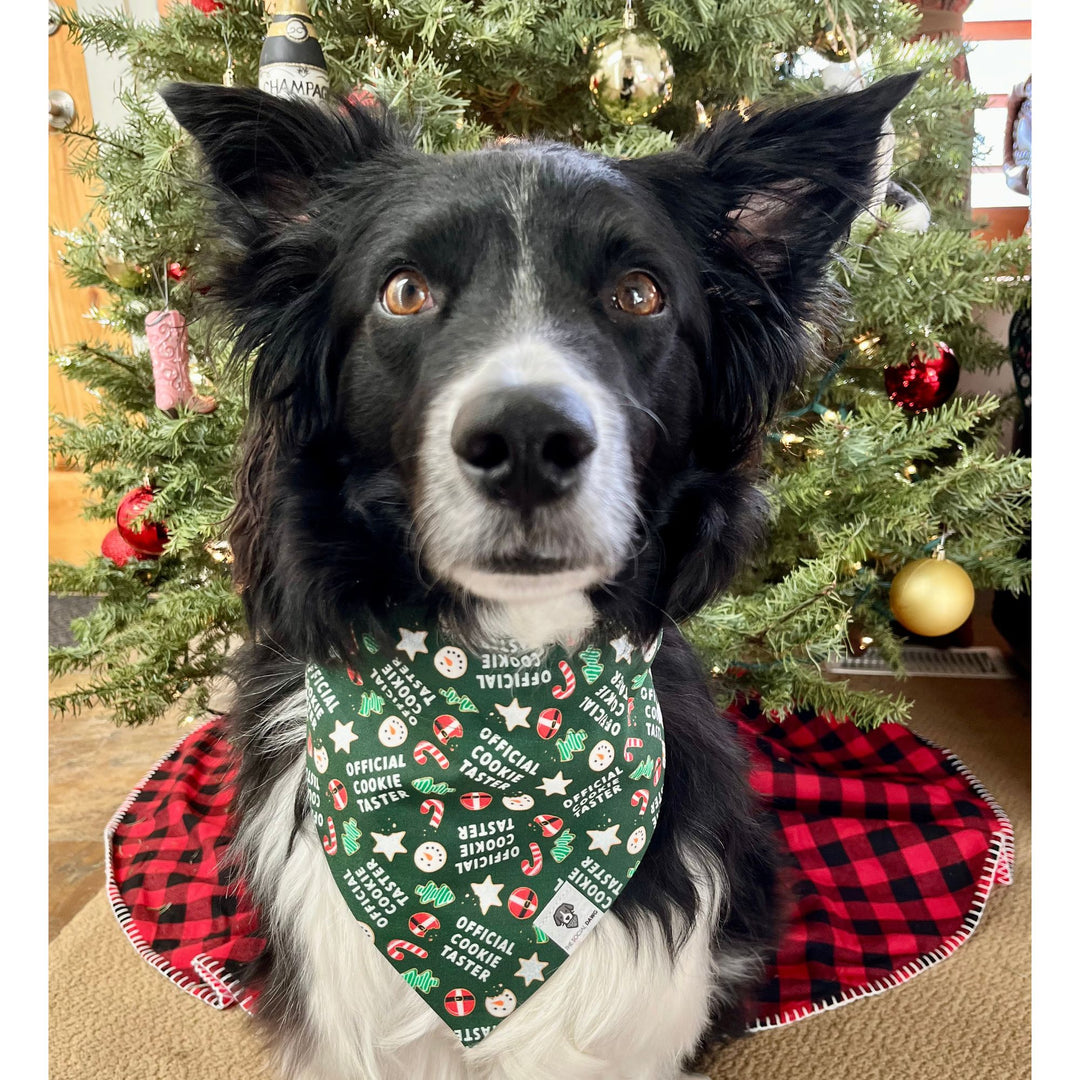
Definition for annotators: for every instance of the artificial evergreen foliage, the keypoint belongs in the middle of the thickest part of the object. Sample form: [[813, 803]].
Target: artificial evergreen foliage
[[858, 487]]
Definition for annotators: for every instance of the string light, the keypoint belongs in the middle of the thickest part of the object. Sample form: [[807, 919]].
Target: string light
[[220, 551]]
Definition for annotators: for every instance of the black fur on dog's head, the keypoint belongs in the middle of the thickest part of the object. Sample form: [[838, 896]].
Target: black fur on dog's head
[[353, 491]]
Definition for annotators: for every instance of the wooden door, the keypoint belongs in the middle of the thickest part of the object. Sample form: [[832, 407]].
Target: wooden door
[[71, 537]]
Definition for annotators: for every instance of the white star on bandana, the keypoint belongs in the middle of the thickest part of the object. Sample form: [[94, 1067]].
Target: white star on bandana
[[622, 648], [389, 845], [532, 969], [487, 892], [412, 642], [554, 785], [343, 736], [514, 714], [604, 839]]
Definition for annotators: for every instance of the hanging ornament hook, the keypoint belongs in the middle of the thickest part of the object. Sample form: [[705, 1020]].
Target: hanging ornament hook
[[939, 551], [227, 78], [163, 289]]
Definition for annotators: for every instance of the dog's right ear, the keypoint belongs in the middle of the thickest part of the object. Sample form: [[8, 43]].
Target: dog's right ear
[[274, 155]]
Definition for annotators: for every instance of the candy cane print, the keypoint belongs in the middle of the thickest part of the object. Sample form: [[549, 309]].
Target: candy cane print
[[630, 712], [531, 869], [436, 808], [640, 798], [656, 773], [563, 692], [630, 745], [329, 843], [397, 948], [423, 748]]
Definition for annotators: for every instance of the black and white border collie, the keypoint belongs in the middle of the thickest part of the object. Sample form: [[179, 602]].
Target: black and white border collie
[[524, 386]]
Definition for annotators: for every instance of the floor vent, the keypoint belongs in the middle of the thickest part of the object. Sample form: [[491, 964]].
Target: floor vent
[[922, 660]]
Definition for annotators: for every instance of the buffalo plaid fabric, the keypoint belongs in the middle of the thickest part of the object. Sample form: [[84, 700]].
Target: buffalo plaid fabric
[[182, 907], [890, 848]]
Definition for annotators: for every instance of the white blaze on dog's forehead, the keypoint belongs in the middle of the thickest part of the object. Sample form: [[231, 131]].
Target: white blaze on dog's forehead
[[564, 170], [525, 292]]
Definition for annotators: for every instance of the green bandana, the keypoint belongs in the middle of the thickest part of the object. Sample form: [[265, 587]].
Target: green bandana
[[481, 810]]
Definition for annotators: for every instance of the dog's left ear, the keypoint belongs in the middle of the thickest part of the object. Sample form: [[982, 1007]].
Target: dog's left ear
[[761, 204], [779, 189]]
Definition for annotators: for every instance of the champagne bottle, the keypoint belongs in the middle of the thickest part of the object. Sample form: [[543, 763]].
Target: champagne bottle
[[291, 63]]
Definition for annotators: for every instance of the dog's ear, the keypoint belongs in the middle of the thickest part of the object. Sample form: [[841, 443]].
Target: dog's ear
[[272, 154], [780, 188], [761, 203], [277, 167], [793, 179]]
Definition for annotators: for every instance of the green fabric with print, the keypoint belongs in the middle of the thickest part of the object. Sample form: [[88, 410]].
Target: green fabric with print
[[480, 811]]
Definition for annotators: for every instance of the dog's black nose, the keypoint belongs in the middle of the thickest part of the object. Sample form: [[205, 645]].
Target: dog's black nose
[[524, 445]]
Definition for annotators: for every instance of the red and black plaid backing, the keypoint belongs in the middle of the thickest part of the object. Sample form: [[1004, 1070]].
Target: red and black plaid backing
[[184, 910], [891, 849]]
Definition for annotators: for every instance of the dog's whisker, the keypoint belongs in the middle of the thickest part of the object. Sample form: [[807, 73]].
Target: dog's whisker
[[649, 413]]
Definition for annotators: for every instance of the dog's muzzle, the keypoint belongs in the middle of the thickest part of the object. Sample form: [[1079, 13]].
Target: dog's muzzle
[[524, 446]]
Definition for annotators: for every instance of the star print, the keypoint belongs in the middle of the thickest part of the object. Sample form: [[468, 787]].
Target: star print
[[343, 736], [604, 839], [622, 648], [514, 714], [531, 970], [389, 845], [412, 642], [487, 892], [554, 785]]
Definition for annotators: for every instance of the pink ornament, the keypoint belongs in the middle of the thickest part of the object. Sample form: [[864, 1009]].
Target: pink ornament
[[362, 96], [207, 6], [167, 333]]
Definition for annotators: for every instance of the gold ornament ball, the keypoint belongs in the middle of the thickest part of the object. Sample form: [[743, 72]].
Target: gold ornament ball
[[118, 269], [828, 42], [931, 597], [631, 76]]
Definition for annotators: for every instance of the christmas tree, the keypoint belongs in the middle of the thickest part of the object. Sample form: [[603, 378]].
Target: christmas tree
[[871, 467]]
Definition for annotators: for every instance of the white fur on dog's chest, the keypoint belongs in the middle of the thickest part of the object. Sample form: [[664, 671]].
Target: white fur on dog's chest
[[611, 1012]]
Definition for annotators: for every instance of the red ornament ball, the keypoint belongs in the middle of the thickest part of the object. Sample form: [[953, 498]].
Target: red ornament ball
[[177, 271], [115, 548], [925, 381], [207, 6], [149, 538]]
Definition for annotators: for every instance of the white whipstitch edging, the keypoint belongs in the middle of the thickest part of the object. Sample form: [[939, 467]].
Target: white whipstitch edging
[[218, 990], [997, 868]]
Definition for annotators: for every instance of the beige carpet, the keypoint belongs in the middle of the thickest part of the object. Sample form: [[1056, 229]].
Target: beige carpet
[[113, 1018]]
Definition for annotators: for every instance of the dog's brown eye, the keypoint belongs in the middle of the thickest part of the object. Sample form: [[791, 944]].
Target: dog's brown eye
[[407, 293], [637, 294]]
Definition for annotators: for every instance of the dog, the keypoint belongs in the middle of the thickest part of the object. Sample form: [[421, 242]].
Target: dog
[[526, 387]]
